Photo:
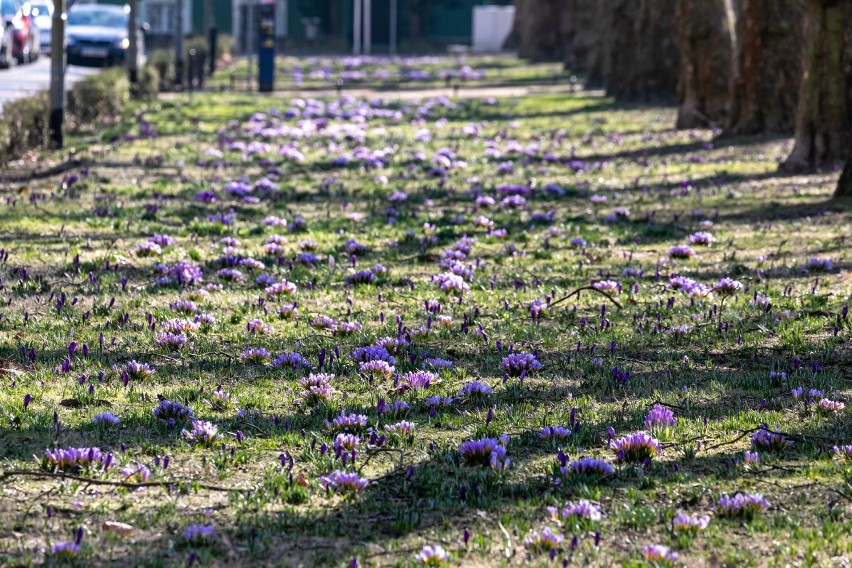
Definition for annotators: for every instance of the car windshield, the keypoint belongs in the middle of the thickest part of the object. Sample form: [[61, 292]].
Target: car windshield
[[104, 18], [8, 7]]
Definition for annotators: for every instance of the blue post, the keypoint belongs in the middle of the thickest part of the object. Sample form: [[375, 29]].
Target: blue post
[[266, 46]]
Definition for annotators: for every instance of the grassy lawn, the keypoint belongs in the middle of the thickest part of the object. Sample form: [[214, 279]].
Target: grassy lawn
[[508, 263]]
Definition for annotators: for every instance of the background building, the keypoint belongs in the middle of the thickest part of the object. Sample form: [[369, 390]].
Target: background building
[[423, 25]]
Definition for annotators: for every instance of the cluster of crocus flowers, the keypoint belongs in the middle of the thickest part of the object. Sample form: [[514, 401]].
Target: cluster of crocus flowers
[[636, 447], [172, 412], [343, 482], [843, 452], [544, 541], [681, 251], [701, 238], [201, 433], [433, 555], [727, 286], [377, 368], [136, 473], [689, 286], [816, 264], [751, 459], [292, 360], [288, 311], [106, 419], [220, 401], [659, 554], [283, 288], [73, 459], [403, 428], [741, 506], [520, 363], [255, 355], [660, 418], [554, 433], [346, 442], [347, 423], [136, 370], [485, 452], [475, 388], [170, 341], [686, 524], [393, 408], [65, 551], [587, 469], [770, 441], [258, 327], [180, 326], [608, 287], [449, 282], [417, 380], [199, 534], [580, 513], [318, 389], [184, 306], [361, 277], [829, 407], [182, 273]]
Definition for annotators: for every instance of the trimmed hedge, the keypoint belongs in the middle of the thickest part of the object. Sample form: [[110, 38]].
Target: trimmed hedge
[[91, 103], [97, 97]]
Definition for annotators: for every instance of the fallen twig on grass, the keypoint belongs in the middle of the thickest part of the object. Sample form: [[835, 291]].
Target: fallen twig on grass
[[580, 289], [94, 481]]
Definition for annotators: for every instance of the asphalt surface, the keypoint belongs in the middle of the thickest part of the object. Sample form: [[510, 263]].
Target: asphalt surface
[[23, 80]]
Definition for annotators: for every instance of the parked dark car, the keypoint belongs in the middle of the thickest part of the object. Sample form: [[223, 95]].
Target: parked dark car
[[17, 17], [96, 35]]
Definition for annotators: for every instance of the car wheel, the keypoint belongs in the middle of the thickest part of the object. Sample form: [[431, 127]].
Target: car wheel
[[23, 56]]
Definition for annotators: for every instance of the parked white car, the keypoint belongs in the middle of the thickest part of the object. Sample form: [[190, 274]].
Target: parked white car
[[43, 12]]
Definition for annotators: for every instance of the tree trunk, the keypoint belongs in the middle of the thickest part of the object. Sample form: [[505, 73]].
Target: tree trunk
[[539, 25], [640, 56], [596, 57], [768, 67], [844, 186], [580, 32], [824, 116], [706, 43], [513, 40]]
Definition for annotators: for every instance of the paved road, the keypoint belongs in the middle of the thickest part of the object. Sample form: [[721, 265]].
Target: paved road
[[23, 80]]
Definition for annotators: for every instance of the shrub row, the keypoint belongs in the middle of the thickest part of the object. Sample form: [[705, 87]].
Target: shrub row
[[92, 102]]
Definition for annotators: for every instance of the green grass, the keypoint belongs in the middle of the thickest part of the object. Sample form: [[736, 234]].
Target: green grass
[[715, 378]]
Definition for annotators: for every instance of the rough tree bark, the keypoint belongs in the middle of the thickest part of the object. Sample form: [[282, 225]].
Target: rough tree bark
[[844, 186], [705, 40], [640, 56], [537, 29], [824, 115], [591, 42], [513, 41], [768, 67], [579, 32]]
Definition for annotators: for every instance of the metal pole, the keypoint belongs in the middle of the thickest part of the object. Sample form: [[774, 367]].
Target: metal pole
[[212, 33], [394, 15], [132, 54], [368, 26], [57, 74], [179, 57], [356, 28], [251, 42]]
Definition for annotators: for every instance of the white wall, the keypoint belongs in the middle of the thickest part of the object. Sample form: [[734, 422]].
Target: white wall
[[491, 27]]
